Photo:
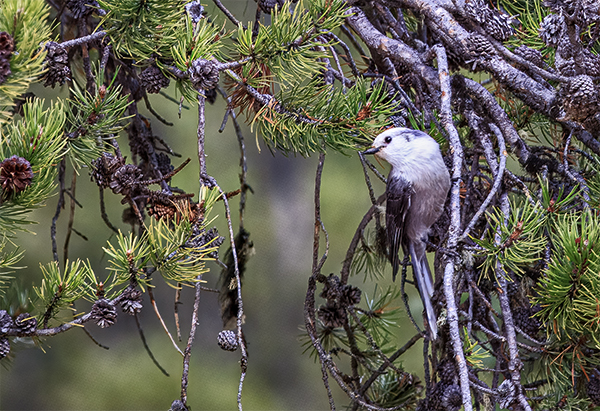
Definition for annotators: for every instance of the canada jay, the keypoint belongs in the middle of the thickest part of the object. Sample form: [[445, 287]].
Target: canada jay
[[416, 191]]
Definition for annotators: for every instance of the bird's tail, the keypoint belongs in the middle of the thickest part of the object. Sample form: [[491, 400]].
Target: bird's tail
[[424, 281]]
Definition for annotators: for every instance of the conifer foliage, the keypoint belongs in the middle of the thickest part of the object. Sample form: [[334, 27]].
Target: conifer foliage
[[509, 89]]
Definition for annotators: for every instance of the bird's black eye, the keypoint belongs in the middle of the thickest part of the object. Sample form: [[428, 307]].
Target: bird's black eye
[[388, 139]]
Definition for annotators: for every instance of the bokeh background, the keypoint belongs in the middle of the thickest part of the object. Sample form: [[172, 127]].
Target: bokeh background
[[70, 372]]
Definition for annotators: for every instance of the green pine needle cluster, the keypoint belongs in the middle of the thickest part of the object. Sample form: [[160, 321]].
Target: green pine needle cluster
[[321, 116], [93, 118], [38, 138], [142, 29], [27, 22], [568, 293], [516, 243]]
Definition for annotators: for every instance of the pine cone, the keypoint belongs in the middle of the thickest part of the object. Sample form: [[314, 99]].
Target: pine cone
[[81, 8], [206, 238], [56, 64], [204, 74], [227, 340], [267, 6], [332, 290], [593, 387], [15, 175], [495, 23], [103, 313], [132, 302], [589, 62], [524, 319], [332, 316], [153, 79], [104, 167], [479, 46], [581, 100], [26, 323], [194, 9], [125, 178], [350, 295], [160, 211], [452, 398], [6, 322], [531, 55], [551, 28], [446, 371], [7, 45], [4, 347]]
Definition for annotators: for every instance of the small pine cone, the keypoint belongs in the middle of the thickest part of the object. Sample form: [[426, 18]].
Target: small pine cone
[[4, 347], [351, 295], [551, 28], [581, 100], [593, 387], [56, 64], [267, 6], [194, 9], [476, 10], [566, 67], [103, 313], [152, 79], [531, 55], [499, 26], [104, 167], [204, 74], [227, 340], [132, 302], [124, 178], [332, 290], [588, 13], [452, 398], [81, 8], [15, 175], [590, 63], [446, 371], [524, 319], [505, 394], [164, 164], [7, 45], [6, 322], [160, 211], [332, 316], [479, 46], [26, 323]]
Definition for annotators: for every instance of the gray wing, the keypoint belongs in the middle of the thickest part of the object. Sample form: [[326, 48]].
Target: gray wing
[[399, 192]]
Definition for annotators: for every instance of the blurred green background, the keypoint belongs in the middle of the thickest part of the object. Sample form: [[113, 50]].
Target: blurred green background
[[70, 372]]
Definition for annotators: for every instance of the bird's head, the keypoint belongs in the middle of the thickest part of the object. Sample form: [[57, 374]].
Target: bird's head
[[399, 145]]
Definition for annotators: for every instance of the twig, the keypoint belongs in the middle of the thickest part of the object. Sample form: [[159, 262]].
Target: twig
[[457, 158], [71, 217], [176, 310], [146, 347], [164, 326], [59, 206], [84, 39], [227, 13], [240, 303], [190, 342], [154, 113], [103, 212], [495, 186], [574, 175]]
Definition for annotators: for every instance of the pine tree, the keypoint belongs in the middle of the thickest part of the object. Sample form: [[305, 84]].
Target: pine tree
[[508, 88]]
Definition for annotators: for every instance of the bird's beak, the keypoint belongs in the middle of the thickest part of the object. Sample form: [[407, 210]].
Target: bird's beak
[[372, 150]]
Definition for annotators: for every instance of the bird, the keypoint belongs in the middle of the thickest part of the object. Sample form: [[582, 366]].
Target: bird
[[416, 191]]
